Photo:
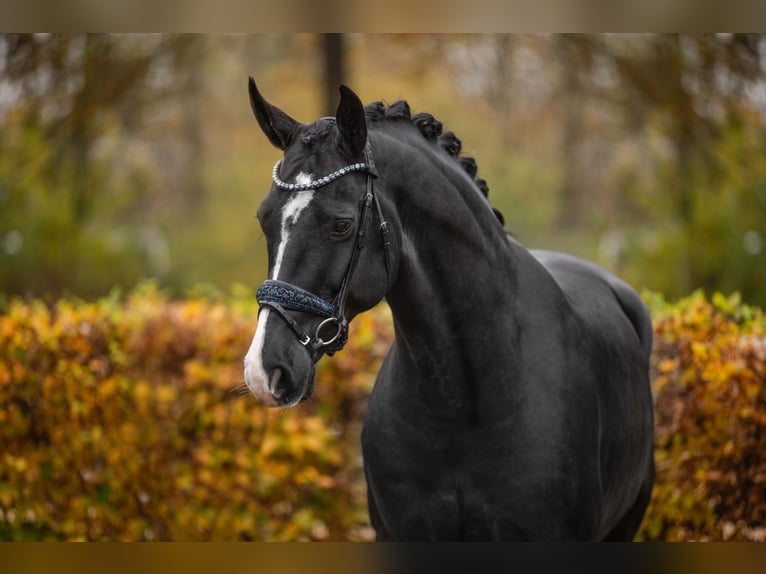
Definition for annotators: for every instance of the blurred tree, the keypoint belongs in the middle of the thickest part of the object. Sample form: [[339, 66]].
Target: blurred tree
[[697, 90], [644, 152], [687, 108], [75, 86], [85, 98]]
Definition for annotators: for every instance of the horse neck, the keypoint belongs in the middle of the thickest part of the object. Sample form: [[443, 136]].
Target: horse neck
[[455, 292]]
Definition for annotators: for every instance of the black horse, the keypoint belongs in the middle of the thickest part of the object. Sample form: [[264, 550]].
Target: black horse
[[514, 403]]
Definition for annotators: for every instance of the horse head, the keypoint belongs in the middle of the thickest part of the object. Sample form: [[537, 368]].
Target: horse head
[[322, 209]]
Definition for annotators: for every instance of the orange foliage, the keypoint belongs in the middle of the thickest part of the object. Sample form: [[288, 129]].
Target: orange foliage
[[130, 421], [709, 378]]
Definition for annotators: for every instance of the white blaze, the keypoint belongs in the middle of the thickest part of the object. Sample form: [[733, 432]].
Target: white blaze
[[255, 376], [290, 214]]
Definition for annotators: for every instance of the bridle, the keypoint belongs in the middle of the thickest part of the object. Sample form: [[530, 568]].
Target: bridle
[[282, 296]]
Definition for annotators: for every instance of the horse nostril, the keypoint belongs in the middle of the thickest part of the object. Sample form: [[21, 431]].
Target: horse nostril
[[274, 378], [279, 385]]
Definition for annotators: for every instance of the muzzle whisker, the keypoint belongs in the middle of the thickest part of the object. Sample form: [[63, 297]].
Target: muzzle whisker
[[241, 389]]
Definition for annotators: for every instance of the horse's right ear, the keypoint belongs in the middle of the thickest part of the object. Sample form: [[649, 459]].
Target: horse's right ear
[[276, 124], [351, 122]]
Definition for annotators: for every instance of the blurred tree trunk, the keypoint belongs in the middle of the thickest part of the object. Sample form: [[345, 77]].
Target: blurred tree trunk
[[501, 87], [572, 55], [334, 71], [189, 51], [96, 48], [689, 143], [684, 121]]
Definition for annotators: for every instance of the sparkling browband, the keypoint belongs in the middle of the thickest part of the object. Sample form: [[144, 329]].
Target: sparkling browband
[[317, 182]]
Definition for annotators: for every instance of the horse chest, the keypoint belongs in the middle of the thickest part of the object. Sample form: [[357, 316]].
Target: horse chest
[[428, 486], [442, 481], [420, 496]]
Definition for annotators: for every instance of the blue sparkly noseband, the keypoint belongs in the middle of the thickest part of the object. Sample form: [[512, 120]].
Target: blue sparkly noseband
[[292, 297]]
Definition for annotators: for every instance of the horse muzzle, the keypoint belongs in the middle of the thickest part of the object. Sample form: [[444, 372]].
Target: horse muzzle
[[278, 370]]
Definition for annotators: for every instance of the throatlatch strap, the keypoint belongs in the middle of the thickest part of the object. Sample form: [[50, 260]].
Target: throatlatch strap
[[292, 297]]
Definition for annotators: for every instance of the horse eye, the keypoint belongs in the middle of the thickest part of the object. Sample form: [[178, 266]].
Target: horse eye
[[341, 227]]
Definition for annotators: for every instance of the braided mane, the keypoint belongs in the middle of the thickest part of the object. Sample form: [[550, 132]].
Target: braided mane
[[431, 129]]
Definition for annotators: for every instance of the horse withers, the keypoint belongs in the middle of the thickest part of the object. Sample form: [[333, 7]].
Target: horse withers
[[514, 403]]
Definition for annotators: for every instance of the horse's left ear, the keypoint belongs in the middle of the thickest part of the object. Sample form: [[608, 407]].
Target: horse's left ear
[[352, 124], [276, 124]]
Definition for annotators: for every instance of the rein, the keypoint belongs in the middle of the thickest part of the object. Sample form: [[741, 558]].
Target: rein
[[282, 296]]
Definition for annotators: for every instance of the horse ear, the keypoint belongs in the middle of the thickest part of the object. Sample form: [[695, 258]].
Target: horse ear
[[276, 124], [352, 124]]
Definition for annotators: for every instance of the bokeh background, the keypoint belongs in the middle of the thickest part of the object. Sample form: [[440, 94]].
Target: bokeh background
[[124, 157], [131, 169]]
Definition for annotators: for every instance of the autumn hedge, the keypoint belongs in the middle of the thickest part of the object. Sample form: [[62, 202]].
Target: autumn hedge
[[127, 419]]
